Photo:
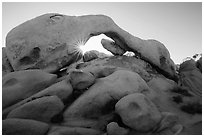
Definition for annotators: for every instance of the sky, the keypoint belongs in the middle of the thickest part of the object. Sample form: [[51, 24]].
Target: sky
[[177, 25]]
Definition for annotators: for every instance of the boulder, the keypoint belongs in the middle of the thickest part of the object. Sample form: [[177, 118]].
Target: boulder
[[13, 126], [62, 90], [52, 41], [191, 77], [98, 102], [138, 112], [6, 66], [81, 80], [112, 47], [62, 130], [19, 85], [114, 129], [42, 109], [93, 54]]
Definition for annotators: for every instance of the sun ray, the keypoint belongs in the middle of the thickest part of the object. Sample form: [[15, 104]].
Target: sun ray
[[94, 43]]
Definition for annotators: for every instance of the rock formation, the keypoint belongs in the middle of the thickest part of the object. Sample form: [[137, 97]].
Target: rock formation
[[50, 87], [51, 41]]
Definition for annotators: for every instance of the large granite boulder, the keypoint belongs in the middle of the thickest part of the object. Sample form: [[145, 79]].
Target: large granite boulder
[[41, 109], [19, 85], [138, 112], [52, 41], [14, 126], [62, 90], [97, 103]]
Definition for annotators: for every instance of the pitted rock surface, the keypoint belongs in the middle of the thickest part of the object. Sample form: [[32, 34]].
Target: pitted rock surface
[[51, 41]]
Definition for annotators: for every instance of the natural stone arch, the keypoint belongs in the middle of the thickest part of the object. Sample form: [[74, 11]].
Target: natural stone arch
[[57, 37]]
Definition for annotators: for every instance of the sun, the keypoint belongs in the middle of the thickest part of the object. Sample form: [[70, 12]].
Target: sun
[[94, 43], [84, 48]]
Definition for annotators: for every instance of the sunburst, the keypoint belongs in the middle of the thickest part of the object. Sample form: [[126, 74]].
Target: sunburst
[[94, 43]]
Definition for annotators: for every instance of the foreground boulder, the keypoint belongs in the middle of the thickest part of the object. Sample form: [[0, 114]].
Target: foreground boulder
[[19, 85], [62, 90], [94, 107], [52, 41], [138, 112], [14, 126], [42, 109]]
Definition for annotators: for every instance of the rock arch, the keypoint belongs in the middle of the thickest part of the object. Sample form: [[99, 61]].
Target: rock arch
[[57, 35]]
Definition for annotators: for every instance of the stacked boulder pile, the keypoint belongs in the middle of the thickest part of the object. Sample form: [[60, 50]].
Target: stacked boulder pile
[[50, 87]]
